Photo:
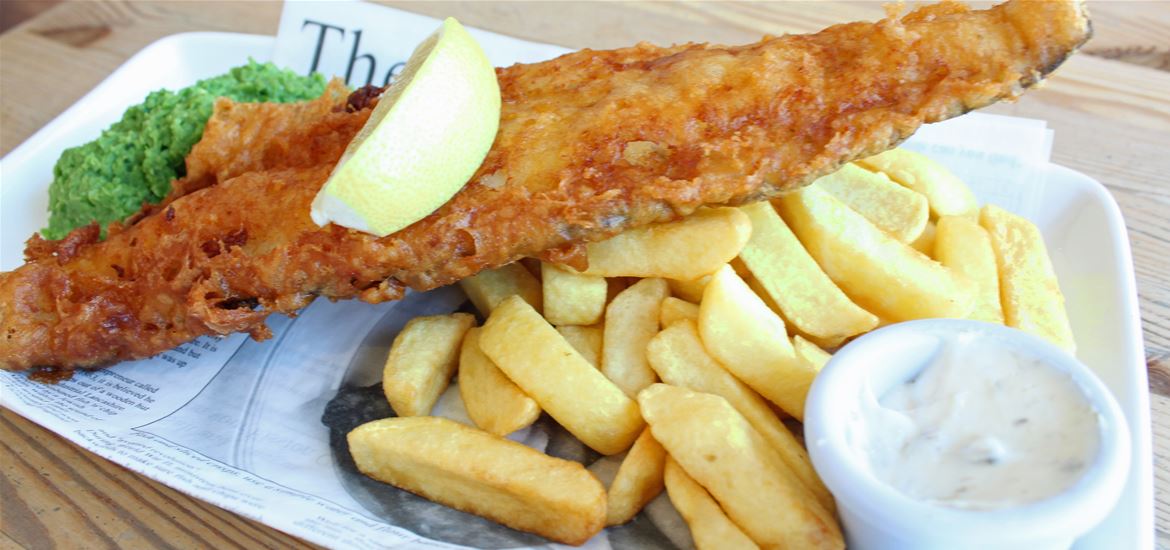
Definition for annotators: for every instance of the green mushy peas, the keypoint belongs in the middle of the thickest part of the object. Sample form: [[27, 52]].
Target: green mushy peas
[[136, 158]]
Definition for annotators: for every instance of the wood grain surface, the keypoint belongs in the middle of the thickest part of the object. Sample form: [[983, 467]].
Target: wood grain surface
[[1110, 110]]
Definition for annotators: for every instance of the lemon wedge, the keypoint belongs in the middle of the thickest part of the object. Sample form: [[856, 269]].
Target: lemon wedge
[[424, 140]]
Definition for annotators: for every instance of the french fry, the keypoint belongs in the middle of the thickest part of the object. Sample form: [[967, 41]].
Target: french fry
[[747, 338], [810, 352], [685, 250], [1029, 291], [586, 340], [881, 274], [492, 401], [925, 242], [631, 320], [571, 298], [421, 361], [717, 447], [793, 281], [691, 291], [710, 527], [539, 360], [946, 193], [505, 481], [962, 245], [488, 288], [678, 357], [893, 208], [674, 309], [638, 481]]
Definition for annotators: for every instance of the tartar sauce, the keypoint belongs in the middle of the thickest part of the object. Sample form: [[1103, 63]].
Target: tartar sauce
[[981, 427]]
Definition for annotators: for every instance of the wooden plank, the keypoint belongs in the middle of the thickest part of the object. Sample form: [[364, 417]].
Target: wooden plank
[[56, 494]]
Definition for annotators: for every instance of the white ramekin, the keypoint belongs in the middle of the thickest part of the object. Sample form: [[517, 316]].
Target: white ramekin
[[877, 516]]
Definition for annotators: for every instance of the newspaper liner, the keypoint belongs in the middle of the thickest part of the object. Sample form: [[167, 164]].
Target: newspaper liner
[[257, 428]]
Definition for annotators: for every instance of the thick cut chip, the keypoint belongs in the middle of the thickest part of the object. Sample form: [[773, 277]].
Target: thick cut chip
[[962, 245], [492, 401], [691, 291], [895, 209], [482, 474], [488, 288], [674, 309], [571, 298], [586, 340], [717, 447], [539, 360], [762, 292], [1028, 288], [678, 357], [631, 320], [810, 352], [710, 527], [685, 250], [925, 242], [421, 361], [795, 283], [946, 193], [883, 275], [748, 339], [638, 481]]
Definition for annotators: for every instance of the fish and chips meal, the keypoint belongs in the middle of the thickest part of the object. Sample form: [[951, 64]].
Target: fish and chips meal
[[664, 246]]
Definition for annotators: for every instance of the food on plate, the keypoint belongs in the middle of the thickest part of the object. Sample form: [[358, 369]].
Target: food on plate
[[586, 340], [638, 481], [925, 242], [710, 527], [680, 360], [424, 139], [690, 290], [631, 320], [897, 210], [134, 160], [878, 272], [674, 309], [962, 245], [1029, 291], [715, 445], [750, 340], [422, 359], [505, 482], [571, 298], [1017, 428], [947, 194], [535, 356], [491, 399], [489, 287], [728, 125], [793, 281], [810, 352], [687, 249]]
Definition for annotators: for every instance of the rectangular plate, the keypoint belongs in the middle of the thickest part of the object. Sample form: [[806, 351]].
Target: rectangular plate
[[1078, 217]]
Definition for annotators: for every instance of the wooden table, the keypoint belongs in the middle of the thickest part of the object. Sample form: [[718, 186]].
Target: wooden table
[[1110, 109]]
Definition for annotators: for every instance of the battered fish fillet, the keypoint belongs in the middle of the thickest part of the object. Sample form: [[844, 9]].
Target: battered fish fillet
[[590, 144]]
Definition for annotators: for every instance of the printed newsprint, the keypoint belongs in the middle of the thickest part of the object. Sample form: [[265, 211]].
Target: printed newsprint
[[259, 428]]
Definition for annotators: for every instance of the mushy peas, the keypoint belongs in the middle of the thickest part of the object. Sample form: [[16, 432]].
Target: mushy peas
[[135, 159]]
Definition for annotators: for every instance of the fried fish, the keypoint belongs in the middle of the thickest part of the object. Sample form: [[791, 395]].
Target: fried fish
[[590, 144]]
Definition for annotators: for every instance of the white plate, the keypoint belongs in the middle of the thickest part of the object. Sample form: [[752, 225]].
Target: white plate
[[1079, 219]]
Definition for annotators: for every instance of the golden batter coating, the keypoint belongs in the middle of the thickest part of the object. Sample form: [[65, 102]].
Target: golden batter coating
[[590, 144]]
